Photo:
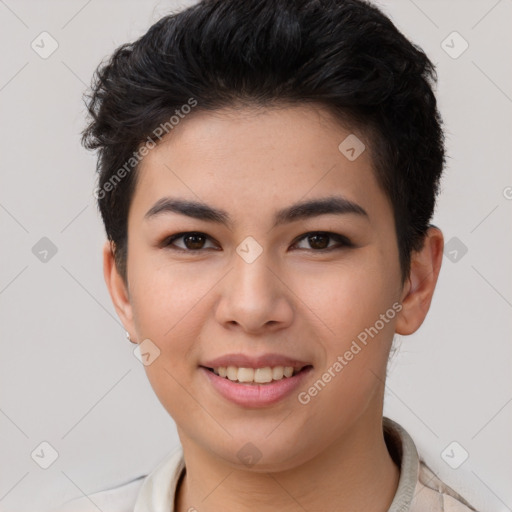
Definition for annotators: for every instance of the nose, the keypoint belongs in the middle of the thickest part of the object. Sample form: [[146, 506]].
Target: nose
[[255, 297]]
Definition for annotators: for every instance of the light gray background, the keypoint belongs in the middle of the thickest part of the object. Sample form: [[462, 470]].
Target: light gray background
[[68, 375]]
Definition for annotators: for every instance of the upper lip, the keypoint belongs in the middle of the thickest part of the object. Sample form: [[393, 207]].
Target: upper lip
[[245, 361]]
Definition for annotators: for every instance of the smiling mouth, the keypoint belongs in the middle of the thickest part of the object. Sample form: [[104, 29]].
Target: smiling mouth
[[263, 375]]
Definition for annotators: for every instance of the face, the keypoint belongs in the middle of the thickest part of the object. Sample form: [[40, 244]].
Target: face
[[258, 280]]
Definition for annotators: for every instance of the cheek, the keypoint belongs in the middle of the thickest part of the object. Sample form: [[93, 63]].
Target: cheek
[[350, 301], [356, 341], [171, 302], [164, 294], [167, 307], [349, 297]]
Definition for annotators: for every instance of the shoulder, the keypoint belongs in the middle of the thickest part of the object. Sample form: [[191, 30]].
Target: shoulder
[[118, 499], [433, 494], [151, 492], [419, 489]]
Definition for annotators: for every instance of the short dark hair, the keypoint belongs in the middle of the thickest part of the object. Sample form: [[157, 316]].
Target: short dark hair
[[345, 55]]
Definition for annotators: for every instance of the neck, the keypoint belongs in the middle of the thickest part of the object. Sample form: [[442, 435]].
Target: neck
[[355, 472]]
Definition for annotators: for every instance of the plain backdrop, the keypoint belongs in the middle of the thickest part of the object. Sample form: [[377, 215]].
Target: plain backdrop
[[68, 376]]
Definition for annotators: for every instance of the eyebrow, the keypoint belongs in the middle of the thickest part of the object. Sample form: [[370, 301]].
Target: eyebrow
[[338, 205]]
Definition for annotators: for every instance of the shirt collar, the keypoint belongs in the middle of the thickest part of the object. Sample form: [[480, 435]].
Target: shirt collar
[[403, 450]]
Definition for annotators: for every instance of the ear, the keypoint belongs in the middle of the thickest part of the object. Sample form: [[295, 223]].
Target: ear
[[118, 290], [419, 288]]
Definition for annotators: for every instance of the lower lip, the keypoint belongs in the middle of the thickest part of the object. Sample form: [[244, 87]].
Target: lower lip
[[256, 395]]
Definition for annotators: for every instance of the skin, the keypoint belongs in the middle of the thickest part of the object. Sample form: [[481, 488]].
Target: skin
[[293, 299]]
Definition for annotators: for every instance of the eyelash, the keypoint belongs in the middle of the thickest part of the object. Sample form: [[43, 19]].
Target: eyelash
[[344, 241]]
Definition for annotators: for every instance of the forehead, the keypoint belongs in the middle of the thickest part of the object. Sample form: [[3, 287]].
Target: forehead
[[258, 159]]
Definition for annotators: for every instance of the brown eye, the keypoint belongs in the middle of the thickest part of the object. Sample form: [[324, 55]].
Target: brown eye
[[319, 241], [192, 241]]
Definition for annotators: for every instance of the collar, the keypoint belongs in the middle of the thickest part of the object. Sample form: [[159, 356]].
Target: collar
[[403, 451]]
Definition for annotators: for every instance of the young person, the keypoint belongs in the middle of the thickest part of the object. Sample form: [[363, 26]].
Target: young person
[[267, 175]]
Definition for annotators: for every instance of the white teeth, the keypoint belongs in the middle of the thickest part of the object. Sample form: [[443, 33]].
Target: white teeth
[[258, 375], [232, 373], [262, 375], [245, 375], [278, 372], [288, 371]]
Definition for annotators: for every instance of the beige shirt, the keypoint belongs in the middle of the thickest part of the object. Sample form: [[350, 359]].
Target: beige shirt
[[419, 490]]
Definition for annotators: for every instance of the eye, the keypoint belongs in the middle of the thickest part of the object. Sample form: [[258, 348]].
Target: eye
[[319, 241], [193, 241]]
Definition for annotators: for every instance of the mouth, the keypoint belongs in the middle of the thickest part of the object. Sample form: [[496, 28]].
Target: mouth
[[257, 376], [263, 386], [255, 380]]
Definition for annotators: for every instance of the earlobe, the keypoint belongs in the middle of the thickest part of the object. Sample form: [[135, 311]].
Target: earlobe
[[117, 289], [419, 289]]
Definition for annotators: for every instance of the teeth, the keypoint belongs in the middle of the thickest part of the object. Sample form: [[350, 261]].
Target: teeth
[[278, 372], [232, 373], [263, 375], [255, 375], [245, 374], [288, 371]]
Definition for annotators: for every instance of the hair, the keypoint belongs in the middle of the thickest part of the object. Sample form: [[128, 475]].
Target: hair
[[344, 55]]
